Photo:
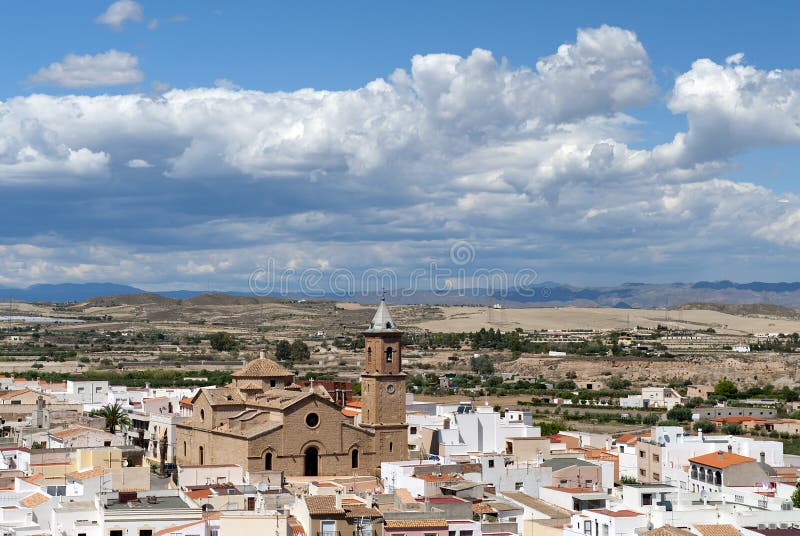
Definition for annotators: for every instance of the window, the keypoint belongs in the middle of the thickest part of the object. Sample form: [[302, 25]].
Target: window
[[312, 420], [587, 527], [389, 352], [391, 446], [106, 443], [518, 485], [16, 401], [412, 430], [268, 462], [272, 383], [200, 451], [115, 533], [466, 533], [647, 499], [605, 530], [328, 528], [202, 415], [657, 476], [214, 532], [451, 533], [354, 459], [491, 463], [656, 458], [145, 532], [642, 472], [641, 454], [98, 389], [184, 448], [80, 390]]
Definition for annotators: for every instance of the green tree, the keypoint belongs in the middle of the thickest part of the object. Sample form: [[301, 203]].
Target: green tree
[[796, 496], [549, 428], [679, 413], [283, 351], [357, 389], [115, 417], [222, 341], [705, 425], [726, 388], [481, 365], [618, 383], [300, 351]]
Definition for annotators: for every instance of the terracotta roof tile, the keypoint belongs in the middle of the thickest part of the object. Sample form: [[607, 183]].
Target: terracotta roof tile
[[177, 528], [668, 530], [717, 530], [720, 459], [90, 473], [322, 505], [12, 394], [32, 501]]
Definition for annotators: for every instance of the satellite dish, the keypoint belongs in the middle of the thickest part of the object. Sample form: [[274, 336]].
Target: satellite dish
[[262, 487]]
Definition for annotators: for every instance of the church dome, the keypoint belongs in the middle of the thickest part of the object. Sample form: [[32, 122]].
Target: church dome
[[262, 368]]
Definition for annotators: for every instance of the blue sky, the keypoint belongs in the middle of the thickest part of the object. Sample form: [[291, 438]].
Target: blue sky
[[186, 144]]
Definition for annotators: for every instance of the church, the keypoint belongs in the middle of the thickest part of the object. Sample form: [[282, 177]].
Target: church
[[264, 421]]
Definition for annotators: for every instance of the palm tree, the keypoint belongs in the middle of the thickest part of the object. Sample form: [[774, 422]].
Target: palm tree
[[115, 417]]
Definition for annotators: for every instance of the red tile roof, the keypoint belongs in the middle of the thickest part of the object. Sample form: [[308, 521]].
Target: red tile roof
[[720, 459]]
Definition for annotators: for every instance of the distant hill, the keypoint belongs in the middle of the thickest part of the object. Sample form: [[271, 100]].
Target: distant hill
[[756, 297], [66, 292], [744, 309]]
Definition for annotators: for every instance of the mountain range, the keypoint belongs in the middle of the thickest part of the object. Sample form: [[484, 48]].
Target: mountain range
[[627, 295]]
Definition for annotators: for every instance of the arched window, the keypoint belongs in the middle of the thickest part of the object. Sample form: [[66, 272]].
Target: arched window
[[388, 325], [354, 459], [391, 446], [201, 456], [389, 352], [369, 354], [202, 415], [268, 462]]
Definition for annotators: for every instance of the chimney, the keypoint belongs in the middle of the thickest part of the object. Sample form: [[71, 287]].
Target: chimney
[[338, 495], [762, 457], [700, 434], [720, 455], [730, 447], [262, 354], [446, 424]]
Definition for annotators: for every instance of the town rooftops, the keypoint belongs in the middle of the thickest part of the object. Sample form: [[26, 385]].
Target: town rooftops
[[550, 510], [720, 459], [12, 394], [668, 530], [562, 463], [616, 513], [87, 474], [416, 524]]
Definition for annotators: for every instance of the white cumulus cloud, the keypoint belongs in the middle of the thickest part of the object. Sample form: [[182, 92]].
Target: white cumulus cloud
[[119, 12], [105, 69]]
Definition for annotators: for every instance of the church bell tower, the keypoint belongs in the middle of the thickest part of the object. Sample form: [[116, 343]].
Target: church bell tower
[[383, 387]]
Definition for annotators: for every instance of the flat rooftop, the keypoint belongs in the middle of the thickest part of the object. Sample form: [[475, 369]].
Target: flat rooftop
[[172, 502]]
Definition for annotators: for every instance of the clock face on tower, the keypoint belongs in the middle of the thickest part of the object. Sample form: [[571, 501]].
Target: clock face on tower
[[390, 388]]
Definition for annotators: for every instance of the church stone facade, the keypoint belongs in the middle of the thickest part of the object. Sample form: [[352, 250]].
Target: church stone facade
[[264, 421]]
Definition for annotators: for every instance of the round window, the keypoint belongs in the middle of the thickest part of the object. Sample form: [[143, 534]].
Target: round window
[[312, 420], [390, 388]]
